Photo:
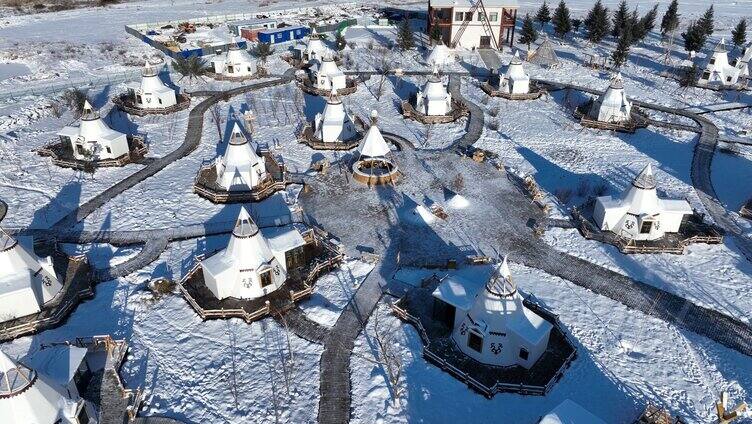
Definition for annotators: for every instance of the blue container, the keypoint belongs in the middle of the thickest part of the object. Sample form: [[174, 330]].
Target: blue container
[[282, 35]]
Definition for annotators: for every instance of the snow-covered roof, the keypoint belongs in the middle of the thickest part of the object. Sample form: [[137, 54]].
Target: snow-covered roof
[[284, 238], [434, 88], [373, 144], [240, 165], [91, 128], [569, 412], [440, 55], [58, 362], [29, 397], [458, 291]]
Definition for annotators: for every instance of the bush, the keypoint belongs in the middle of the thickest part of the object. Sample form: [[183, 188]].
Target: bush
[[493, 111], [458, 183], [493, 124], [161, 287], [74, 99]]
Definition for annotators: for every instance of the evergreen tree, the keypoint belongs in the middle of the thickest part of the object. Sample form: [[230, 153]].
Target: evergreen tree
[[528, 33], [621, 53], [645, 24], [597, 22], [621, 17], [694, 37], [576, 24], [544, 15], [561, 20], [706, 22], [436, 34], [670, 21], [739, 33], [405, 39], [339, 41]]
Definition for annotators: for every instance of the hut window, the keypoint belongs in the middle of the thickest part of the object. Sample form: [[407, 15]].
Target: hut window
[[108, 149], [249, 69], [139, 99], [712, 60], [266, 278], [645, 227], [493, 16], [80, 149], [728, 79], [457, 16], [706, 75], [160, 101], [475, 342], [82, 417], [524, 354]]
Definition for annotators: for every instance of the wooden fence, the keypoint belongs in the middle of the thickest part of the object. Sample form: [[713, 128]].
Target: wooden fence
[[474, 384]]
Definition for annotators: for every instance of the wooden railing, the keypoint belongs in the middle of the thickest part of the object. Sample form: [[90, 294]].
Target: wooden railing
[[264, 189], [475, 384]]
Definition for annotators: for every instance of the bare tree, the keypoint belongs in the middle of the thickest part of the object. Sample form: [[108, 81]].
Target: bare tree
[[387, 356], [216, 114], [382, 62]]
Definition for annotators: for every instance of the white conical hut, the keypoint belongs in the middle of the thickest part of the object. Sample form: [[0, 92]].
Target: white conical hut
[[434, 99], [640, 214], [151, 92], [744, 62], [27, 282], [240, 169], [93, 139], [569, 412], [327, 75], [335, 123], [315, 48], [612, 106], [28, 397], [440, 56], [499, 329], [544, 55], [247, 268], [515, 80], [373, 145], [718, 71], [236, 62]]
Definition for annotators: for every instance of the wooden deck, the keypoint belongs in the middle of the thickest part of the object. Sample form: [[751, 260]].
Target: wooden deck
[[305, 84], [440, 349], [205, 184], [459, 110], [492, 91], [125, 103]]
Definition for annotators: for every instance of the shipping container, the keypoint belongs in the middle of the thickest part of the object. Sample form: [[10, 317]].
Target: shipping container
[[282, 35]]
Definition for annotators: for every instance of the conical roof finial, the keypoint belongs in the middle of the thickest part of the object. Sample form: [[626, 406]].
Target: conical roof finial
[[501, 283], [645, 179], [244, 226], [237, 137]]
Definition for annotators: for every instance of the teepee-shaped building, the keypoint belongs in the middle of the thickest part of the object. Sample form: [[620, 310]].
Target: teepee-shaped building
[[28, 397], [240, 169], [640, 214], [335, 123], [247, 268], [612, 106], [544, 55], [151, 92], [236, 62], [498, 329], [27, 282], [373, 145], [327, 75], [718, 71], [315, 48], [93, 139], [440, 55], [434, 99], [515, 80], [744, 62]]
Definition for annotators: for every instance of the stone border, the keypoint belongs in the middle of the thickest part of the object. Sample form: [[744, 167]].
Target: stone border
[[62, 155], [125, 103], [534, 93], [205, 184], [473, 376], [391, 177], [305, 84], [693, 230], [260, 73], [459, 110], [277, 301], [78, 286]]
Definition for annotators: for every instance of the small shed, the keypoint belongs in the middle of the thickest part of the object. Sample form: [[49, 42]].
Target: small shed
[[282, 34]]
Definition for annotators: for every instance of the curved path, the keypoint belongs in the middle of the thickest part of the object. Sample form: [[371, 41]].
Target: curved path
[[334, 405]]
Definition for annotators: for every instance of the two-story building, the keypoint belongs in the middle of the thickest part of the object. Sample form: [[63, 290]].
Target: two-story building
[[450, 15]]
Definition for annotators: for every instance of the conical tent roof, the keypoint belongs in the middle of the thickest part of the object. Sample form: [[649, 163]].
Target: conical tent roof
[[515, 69], [22, 270], [328, 66], [237, 55], [27, 397], [721, 46], [440, 55], [150, 81], [613, 104], [92, 126], [642, 197], [240, 165], [373, 144], [434, 88], [545, 55]]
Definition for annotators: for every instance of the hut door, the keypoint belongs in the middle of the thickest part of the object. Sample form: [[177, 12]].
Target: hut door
[[443, 312], [646, 226]]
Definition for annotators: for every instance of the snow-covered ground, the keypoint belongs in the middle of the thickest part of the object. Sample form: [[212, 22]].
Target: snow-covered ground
[[229, 371], [625, 360]]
